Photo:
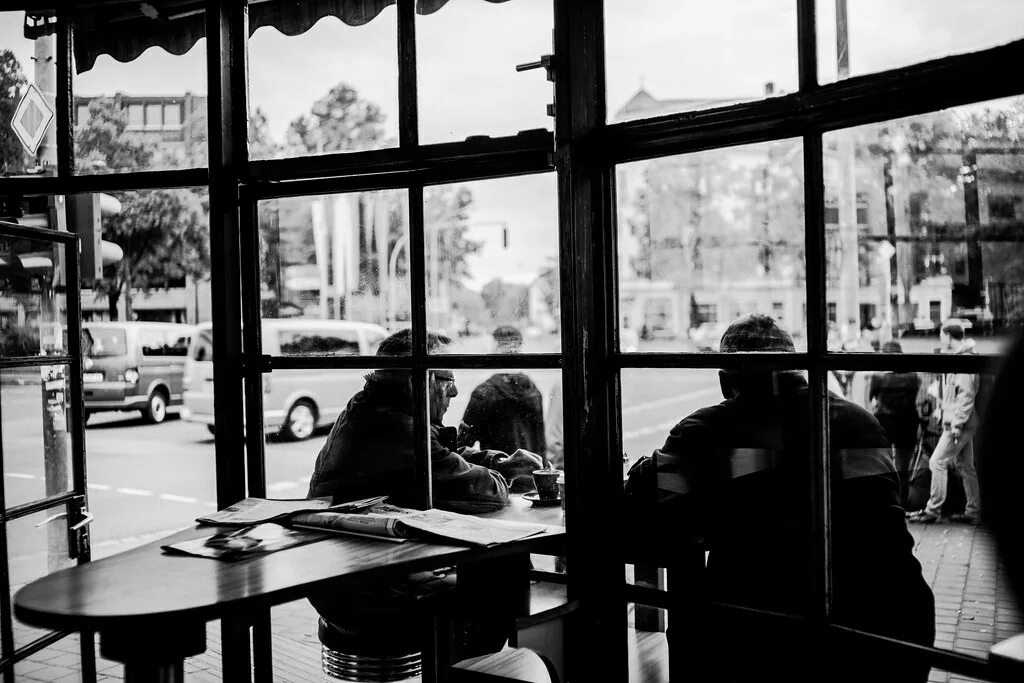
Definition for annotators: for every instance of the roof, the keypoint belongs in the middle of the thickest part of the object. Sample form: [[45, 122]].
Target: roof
[[644, 105]]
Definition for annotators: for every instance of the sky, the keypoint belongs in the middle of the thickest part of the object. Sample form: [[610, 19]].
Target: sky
[[468, 84]]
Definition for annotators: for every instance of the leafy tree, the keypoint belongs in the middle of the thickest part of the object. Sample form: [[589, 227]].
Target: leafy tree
[[506, 303], [102, 144], [12, 80], [340, 121], [164, 237]]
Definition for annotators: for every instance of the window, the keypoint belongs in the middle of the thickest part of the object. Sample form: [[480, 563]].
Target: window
[[136, 115], [319, 342], [172, 115]]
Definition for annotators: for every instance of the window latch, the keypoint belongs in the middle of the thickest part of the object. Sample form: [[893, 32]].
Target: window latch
[[546, 62]]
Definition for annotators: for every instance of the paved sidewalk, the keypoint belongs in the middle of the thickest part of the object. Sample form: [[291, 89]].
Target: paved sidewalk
[[974, 609]]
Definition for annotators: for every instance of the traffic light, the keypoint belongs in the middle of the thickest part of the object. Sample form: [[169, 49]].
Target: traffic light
[[84, 220]]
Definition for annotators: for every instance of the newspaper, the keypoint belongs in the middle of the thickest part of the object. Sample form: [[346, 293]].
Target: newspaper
[[259, 510], [392, 522], [237, 544]]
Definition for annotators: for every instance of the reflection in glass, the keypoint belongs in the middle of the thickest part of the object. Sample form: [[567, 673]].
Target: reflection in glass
[[931, 422], [321, 84], [336, 257], [33, 314], [922, 226], [32, 553], [469, 86], [34, 414], [28, 45], [671, 57], [885, 34], [140, 84], [492, 261], [705, 238]]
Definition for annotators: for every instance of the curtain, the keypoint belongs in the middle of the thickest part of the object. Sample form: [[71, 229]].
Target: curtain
[[124, 30]]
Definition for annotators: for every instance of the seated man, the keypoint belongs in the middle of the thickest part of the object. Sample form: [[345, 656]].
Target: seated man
[[737, 475], [370, 450]]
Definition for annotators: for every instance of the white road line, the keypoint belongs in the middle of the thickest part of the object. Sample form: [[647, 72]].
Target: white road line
[[640, 407], [210, 504], [98, 487], [135, 492], [178, 499], [20, 475], [663, 428], [281, 485]]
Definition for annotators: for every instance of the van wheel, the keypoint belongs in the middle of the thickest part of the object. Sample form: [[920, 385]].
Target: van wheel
[[212, 430], [300, 421], [156, 409]]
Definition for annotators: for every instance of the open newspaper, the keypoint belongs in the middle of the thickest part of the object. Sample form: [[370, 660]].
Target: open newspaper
[[391, 522], [237, 544], [260, 510]]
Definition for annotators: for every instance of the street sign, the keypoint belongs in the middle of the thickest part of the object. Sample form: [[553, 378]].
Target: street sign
[[31, 119]]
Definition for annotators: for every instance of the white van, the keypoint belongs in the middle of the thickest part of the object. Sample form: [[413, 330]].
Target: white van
[[295, 402]]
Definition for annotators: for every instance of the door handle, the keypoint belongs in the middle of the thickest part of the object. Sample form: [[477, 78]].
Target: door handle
[[51, 518], [87, 518]]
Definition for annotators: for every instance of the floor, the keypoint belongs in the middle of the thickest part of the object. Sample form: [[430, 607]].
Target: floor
[[974, 609]]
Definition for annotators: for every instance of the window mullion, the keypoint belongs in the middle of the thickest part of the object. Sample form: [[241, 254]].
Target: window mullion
[[418, 290], [408, 97], [807, 45]]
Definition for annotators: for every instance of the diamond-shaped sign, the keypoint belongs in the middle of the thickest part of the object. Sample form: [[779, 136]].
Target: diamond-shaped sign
[[31, 119]]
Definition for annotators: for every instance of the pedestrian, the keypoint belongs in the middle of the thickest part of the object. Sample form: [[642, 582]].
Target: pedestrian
[[893, 400], [506, 411], [959, 419]]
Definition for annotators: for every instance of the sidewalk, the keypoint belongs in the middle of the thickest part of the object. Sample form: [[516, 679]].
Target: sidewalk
[[973, 605]]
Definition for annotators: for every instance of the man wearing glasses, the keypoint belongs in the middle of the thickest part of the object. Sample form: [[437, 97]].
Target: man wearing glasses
[[371, 450]]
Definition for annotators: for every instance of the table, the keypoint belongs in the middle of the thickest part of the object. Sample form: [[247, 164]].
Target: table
[[151, 608]]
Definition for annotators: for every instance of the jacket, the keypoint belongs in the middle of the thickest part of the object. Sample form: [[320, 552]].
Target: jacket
[[504, 413], [370, 451], [959, 394], [736, 474]]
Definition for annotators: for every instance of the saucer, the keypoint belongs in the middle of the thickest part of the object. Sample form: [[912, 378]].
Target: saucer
[[536, 500]]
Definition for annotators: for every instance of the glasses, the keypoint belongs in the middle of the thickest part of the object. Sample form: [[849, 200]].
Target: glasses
[[447, 380]]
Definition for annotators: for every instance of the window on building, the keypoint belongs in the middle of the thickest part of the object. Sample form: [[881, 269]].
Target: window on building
[[172, 115], [136, 115]]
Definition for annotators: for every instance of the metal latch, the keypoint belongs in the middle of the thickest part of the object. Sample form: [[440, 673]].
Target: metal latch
[[546, 62]]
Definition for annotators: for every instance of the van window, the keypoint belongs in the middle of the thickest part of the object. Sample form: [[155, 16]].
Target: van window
[[203, 349], [319, 342], [103, 342], [152, 342], [177, 343]]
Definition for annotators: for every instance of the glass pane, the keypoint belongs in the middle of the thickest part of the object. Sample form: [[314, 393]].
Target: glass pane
[[885, 34], [671, 57], [337, 268], [60, 661], [32, 553], [466, 57], [130, 63], [28, 77], [372, 451], [705, 238], [33, 311], [918, 453], [647, 647], [34, 414], [299, 106], [492, 263], [922, 228]]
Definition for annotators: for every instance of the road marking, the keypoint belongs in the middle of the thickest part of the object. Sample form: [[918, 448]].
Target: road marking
[[135, 492], [210, 504], [98, 487], [281, 485], [20, 475], [178, 499], [663, 428], [640, 407]]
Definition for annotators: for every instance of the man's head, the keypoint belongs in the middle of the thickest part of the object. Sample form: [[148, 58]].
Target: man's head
[[752, 333], [892, 347], [441, 387], [952, 335], [508, 339]]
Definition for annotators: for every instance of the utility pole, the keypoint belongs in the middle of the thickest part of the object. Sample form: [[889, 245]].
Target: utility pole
[[53, 381], [847, 311]]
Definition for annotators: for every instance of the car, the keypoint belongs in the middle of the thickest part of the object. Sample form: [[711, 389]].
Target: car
[[962, 322], [295, 402], [134, 366], [706, 336]]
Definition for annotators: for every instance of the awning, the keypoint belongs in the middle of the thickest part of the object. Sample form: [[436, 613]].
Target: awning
[[124, 30]]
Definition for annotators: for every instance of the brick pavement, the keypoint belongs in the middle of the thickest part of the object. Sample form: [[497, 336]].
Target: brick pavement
[[974, 609]]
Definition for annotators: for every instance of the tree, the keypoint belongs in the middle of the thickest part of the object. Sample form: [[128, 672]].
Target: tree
[[12, 80], [340, 121], [164, 237], [102, 144]]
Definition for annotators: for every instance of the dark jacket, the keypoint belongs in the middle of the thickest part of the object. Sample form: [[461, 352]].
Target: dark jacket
[[504, 413], [737, 475], [893, 397], [370, 452]]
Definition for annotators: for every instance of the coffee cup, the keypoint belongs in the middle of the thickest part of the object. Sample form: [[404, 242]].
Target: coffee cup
[[547, 484]]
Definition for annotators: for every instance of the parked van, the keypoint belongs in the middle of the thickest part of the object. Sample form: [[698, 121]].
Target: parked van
[[295, 402], [134, 366]]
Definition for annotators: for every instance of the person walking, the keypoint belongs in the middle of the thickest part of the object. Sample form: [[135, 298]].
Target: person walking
[[959, 392], [893, 400]]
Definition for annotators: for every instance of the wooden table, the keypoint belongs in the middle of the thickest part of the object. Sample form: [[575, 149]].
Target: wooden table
[[151, 608]]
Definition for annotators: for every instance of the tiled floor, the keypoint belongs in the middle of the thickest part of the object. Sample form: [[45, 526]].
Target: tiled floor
[[974, 609]]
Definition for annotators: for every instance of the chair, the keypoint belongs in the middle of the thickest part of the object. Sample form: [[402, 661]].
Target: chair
[[515, 664]]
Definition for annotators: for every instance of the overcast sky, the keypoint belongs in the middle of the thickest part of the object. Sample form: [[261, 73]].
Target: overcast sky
[[468, 85]]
